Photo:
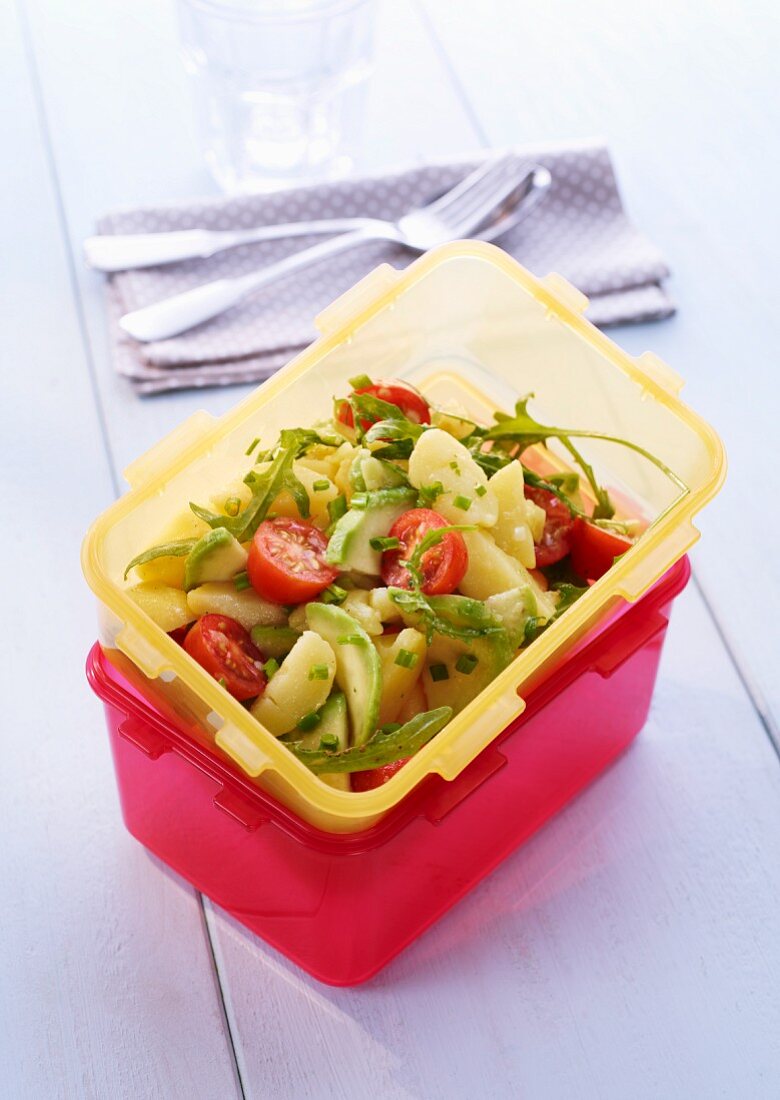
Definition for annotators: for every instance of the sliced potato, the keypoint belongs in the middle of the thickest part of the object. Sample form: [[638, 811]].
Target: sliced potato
[[166, 606], [491, 571], [535, 517], [291, 693], [398, 680], [358, 604], [439, 457], [297, 619], [284, 504], [415, 703], [512, 532], [170, 571], [387, 611], [246, 607]]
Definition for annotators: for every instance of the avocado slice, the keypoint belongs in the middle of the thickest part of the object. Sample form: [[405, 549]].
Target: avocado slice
[[485, 656], [274, 641], [217, 556], [350, 544], [358, 668], [333, 723]]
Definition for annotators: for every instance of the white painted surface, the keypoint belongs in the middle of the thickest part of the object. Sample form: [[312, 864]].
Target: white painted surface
[[631, 949]]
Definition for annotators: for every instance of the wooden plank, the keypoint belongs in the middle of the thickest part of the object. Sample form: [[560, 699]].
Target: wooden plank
[[690, 110], [632, 948], [128, 112], [104, 966]]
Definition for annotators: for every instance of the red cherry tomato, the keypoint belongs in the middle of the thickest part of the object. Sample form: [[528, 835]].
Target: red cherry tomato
[[593, 550], [376, 777], [555, 542], [224, 648], [412, 404], [443, 566], [287, 561]]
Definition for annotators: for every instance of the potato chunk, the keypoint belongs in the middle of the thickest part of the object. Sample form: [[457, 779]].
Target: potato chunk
[[467, 496], [293, 693]]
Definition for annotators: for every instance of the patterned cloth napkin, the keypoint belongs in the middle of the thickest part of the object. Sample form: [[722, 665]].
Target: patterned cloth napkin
[[579, 230]]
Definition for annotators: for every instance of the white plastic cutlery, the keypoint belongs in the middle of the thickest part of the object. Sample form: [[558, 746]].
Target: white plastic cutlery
[[485, 204]]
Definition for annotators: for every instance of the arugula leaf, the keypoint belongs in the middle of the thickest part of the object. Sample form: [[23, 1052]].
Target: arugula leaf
[[427, 613], [266, 486], [524, 430], [396, 436], [383, 748], [178, 549], [569, 594]]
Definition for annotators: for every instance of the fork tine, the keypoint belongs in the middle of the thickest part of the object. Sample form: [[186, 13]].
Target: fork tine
[[485, 172], [467, 214]]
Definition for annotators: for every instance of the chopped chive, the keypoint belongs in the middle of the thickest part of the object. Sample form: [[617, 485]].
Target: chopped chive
[[319, 672], [336, 508], [241, 581], [360, 382], [359, 500], [384, 544], [321, 486], [464, 503], [333, 594], [480, 490], [270, 668], [349, 639], [454, 466], [252, 445], [310, 721], [531, 628], [222, 682], [233, 506], [329, 742], [406, 659], [439, 672], [466, 663], [429, 493]]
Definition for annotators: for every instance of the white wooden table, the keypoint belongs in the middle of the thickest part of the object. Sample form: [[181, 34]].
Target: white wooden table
[[632, 949]]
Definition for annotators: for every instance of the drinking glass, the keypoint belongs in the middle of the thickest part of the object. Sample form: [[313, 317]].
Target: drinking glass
[[279, 86]]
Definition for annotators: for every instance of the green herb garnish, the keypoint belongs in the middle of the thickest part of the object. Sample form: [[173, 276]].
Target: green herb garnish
[[383, 748], [439, 672], [310, 721], [384, 543], [464, 503], [466, 663], [241, 581], [319, 672], [178, 549], [406, 659]]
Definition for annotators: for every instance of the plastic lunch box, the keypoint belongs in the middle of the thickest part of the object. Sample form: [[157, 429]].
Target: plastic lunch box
[[464, 322]]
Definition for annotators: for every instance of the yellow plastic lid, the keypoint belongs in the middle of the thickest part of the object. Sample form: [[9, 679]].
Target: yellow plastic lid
[[464, 323]]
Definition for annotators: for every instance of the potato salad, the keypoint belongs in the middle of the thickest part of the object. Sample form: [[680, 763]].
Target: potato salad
[[367, 577]]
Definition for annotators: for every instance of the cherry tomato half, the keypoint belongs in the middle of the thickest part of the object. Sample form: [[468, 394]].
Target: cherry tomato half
[[375, 777], [555, 542], [224, 649], [411, 403], [287, 561], [443, 566], [593, 550]]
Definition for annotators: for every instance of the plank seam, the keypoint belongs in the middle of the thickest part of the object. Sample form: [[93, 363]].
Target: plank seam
[[40, 109], [449, 68], [762, 711], [48, 148], [221, 996]]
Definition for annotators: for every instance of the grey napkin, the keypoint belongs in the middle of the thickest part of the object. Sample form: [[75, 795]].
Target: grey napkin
[[579, 230]]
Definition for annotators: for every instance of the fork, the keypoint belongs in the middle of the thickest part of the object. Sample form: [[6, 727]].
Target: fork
[[483, 204]]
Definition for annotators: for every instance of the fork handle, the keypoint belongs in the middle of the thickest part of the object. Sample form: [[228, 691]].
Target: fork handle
[[184, 311]]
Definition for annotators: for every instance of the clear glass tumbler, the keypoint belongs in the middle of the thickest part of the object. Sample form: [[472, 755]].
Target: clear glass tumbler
[[279, 85]]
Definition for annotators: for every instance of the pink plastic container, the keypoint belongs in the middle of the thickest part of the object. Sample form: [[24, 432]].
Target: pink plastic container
[[342, 906]]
